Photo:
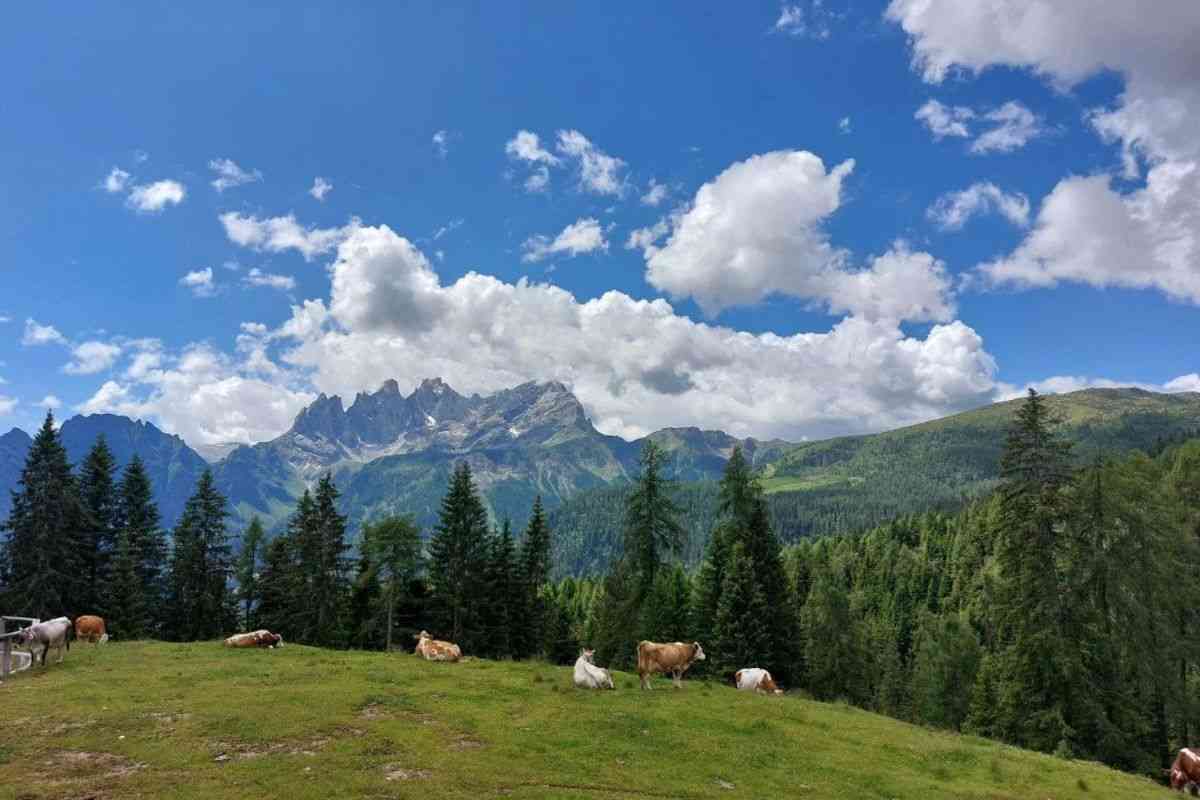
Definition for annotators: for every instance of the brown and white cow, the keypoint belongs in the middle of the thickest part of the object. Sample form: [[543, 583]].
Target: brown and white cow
[[755, 679], [89, 627], [259, 638], [1185, 772], [433, 650], [675, 658]]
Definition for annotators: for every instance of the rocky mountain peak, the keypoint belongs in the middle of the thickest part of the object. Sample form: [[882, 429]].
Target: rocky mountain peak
[[324, 417]]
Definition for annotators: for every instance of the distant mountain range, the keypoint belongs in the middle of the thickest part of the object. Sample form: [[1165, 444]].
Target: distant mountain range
[[393, 453]]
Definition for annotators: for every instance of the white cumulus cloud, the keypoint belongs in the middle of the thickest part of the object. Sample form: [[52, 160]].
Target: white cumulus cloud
[[37, 334], [88, 358], [599, 172], [277, 234], [116, 181], [655, 193], [581, 236], [50, 402], [7, 404], [200, 282], [151, 198], [952, 210], [320, 188], [256, 277]]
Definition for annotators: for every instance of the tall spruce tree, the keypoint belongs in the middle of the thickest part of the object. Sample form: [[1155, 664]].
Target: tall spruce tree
[[126, 613], [137, 518], [1036, 662], [652, 527], [201, 605], [458, 554], [534, 573], [97, 492], [281, 604], [505, 613], [246, 571], [45, 527], [741, 634], [329, 574]]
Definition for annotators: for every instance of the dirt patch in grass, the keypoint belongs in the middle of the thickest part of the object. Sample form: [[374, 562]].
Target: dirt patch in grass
[[466, 743], [373, 711], [395, 772], [226, 751], [83, 764]]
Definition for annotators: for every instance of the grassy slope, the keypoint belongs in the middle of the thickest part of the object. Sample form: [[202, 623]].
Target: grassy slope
[[150, 720]]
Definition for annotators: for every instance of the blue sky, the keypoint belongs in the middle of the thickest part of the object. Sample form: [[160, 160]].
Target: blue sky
[[805, 298]]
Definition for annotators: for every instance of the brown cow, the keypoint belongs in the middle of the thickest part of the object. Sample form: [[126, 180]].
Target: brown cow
[[756, 679], [674, 658], [433, 650], [259, 638], [1185, 772], [91, 628]]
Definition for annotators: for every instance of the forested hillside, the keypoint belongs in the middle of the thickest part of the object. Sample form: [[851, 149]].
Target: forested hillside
[[856, 482]]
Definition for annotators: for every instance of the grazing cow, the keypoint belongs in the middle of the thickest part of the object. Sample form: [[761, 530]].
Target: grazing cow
[[433, 650], [1185, 772], [51, 633], [91, 628], [674, 658], [259, 638], [588, 675], [755, 679]]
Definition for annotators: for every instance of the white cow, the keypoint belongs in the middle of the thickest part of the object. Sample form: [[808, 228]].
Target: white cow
[[44, 635], [588, 675], [756, 679]]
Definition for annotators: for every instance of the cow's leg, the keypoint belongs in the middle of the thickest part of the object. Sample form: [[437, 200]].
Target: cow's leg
[[645, 682], [677, 678], [61, 653]]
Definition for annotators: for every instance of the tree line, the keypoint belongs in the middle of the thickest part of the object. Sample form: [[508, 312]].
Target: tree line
[[1056, 613]]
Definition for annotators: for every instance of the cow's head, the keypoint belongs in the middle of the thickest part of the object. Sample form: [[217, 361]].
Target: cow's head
[[277, 640], [422, 635], [697, 652]]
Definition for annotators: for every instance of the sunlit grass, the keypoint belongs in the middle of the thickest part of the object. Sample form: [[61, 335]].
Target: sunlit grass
[[149, 720]]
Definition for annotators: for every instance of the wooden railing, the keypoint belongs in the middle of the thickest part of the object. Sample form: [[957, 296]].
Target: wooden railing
[[8, 638]]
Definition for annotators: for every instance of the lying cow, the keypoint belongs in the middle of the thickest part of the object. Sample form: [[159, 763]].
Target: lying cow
[[259, 638], [755, 679], [654, 658], [51, 633], [90, 628], [1185, 772], [588, 675], [434, 650]]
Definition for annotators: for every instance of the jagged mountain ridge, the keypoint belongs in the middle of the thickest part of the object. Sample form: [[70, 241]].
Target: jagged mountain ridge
[[392, 453]]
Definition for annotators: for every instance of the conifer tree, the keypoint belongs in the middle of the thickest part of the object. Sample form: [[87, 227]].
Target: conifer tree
[[98, 494], [45, 526], [505, 613], [1035, 660], [328, 583], [201, 606], [394, 548], [458, 562], [831, 642], [652, 527], [534, 573], [246, 571], [280, 590], [741, 634], [944, 668], [137, 517], [127, 616], [366, 624]]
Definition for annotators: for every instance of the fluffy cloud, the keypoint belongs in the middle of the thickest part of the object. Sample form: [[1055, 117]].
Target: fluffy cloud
[[756, 229], [151, 198], [581, 236], [91, 357], [538, 180], [277, 234], [204, 396], [50, 402], [952, 210], [320, 188], [527, 146], [200, 282], [1012, 125], [116, 181], [599, 172], [36, 334], [635, 364], [655, 193], [230, 174], [7, 404], [1086, 230], [256, 277], [646, 239], [1062, 384]]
